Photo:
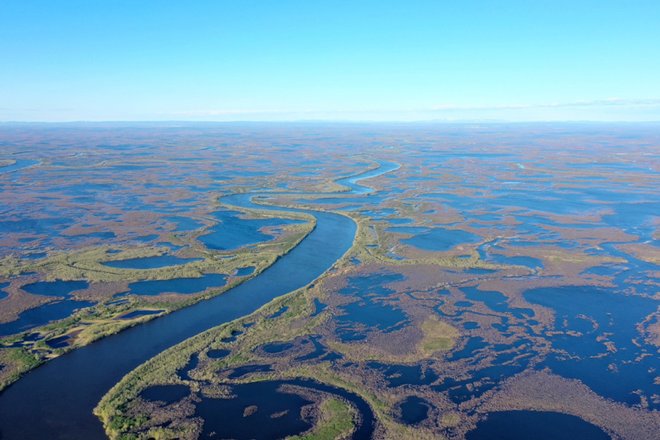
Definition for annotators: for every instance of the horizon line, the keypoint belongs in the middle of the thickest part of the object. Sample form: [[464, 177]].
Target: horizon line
[[331, 121]]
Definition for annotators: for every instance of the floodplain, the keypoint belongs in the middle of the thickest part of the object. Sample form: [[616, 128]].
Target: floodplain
[[497, 276]]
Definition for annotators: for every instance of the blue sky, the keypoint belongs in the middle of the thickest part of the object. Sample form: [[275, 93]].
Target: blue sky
[[321, 59]]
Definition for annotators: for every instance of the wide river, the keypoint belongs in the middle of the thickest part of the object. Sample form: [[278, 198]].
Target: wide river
[[56, 400]]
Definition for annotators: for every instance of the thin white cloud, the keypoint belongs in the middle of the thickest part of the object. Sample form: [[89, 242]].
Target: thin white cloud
[[443, 108], [612, 109], [612, 102]]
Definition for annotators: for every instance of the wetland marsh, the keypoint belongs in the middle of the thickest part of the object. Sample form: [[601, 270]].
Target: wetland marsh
[[333, 281]]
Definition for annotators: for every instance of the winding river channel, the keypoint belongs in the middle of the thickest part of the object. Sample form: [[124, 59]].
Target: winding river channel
[[56, 400]]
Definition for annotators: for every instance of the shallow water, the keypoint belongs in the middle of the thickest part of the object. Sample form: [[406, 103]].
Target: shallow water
[[277, 415], [28, 408], [398, 375], [352, 181], [320, 352], [18, 165], [165, 393], [276, 347], [178, 285], [59, 342], [244, 370], [440, 239], [414, 410], [3, 294], [279, 312], [184, 373], [55, 288], [42, 315], [319, 307], [244, 271], [369, 311], [617, 316], [496, 301], [217, 353], [227, 417], [185, 224], [526, 425], [234, 232]]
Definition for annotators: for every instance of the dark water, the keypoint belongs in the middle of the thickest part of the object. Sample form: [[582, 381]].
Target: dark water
[[526, 425], [146, 238], [244, 370], [276, 347], [440, 239], [510, 359], [472, 346], [36, 255], [356, 188], [184, 224], [178, 285], [495, 301], [278, 413], [318, 307], [479, 271], [617, 316], [518, 260], [59, 342], [479, 382], [55, 288], [218, 353], [184, 373], [369, 310], [31, 337], [165, 393], [232, 338], [51, 226], [234, 232], [397, 375], [320, 352], [245, 271], [545, 199], [149, 262], [226, 418], [497, 258], [3, 294], [38, 404], [414, 410], [42, 315], [279, 312]]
